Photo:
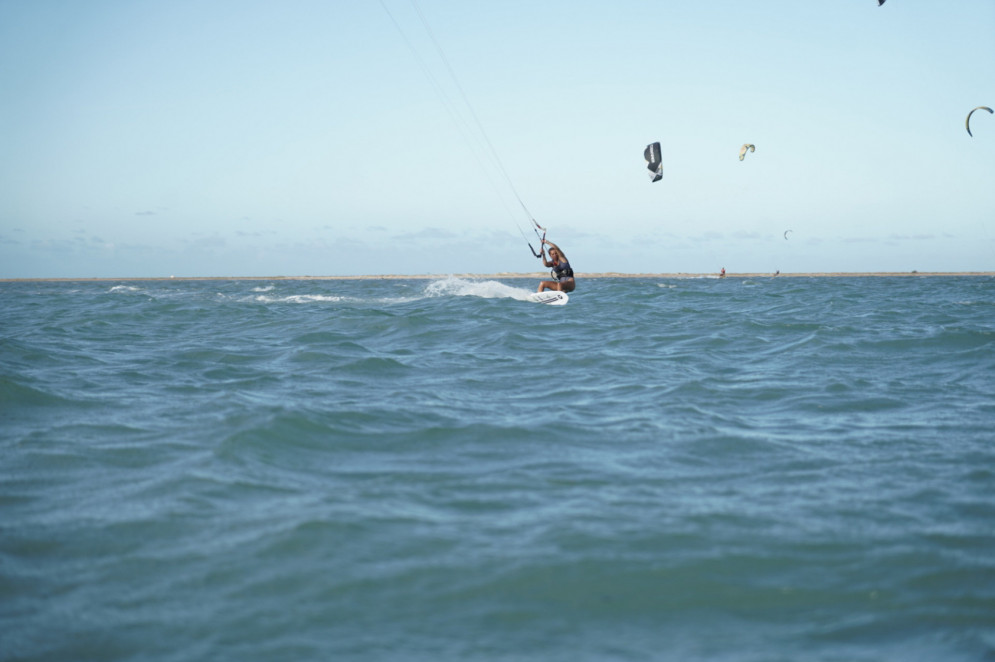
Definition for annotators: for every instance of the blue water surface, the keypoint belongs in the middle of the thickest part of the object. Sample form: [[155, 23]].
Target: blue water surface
[[663, 469]]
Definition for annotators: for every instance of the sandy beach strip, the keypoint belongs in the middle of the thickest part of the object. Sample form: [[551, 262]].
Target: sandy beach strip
[[504, 276]]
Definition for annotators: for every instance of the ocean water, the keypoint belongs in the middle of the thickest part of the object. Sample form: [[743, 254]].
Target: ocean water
[[665, 469]]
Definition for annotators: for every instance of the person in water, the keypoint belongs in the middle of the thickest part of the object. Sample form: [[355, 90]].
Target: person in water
[[562, 271]]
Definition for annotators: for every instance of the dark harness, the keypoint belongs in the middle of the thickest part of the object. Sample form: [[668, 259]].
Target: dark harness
[[562, 270]]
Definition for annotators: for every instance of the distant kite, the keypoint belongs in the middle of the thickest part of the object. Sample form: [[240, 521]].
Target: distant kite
[[967, 122], [880, 2], [745, 148], [654, 161], [786, 234]]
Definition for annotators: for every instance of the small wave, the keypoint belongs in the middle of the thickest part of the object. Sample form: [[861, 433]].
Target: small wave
[[268, 288], [16, 394], [696, 277], [326, 298], [123, 288], [302, 298], [486, 289]]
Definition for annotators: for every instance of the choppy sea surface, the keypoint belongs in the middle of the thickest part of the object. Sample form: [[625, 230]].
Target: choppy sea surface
[[673, 469]]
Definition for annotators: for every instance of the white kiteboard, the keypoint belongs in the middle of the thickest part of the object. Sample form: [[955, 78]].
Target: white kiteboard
[[551, 297]]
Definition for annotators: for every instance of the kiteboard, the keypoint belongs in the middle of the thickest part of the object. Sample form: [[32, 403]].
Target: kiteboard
[[550, 297]]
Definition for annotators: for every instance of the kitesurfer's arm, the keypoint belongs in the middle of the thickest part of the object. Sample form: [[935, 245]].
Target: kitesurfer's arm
[[542, 251], [558, 250]]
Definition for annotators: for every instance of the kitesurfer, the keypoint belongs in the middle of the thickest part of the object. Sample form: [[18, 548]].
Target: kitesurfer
[[722, 274], [562, 272]]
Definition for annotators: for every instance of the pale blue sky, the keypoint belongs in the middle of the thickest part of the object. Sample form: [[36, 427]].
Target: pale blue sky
[[238, 138]]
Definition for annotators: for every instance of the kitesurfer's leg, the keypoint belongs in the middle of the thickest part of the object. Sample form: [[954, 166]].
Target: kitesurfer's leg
[[548, 285]]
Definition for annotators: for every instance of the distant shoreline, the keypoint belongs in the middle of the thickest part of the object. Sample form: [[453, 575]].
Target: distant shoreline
[[498, 276]]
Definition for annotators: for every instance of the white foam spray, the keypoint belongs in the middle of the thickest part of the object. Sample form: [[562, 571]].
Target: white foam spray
[[487, 289]]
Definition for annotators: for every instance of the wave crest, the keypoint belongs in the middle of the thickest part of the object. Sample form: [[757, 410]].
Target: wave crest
[[487, 289]]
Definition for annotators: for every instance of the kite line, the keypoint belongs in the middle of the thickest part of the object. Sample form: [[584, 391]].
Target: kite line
[[465, 130]]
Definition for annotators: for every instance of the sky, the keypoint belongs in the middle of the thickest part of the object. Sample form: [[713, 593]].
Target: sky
[[150, 138]]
